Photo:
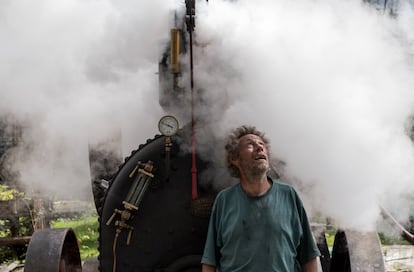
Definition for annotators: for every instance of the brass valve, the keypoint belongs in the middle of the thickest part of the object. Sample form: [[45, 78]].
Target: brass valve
[[133, 199]]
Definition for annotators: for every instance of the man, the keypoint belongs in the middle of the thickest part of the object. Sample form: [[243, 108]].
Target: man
[[257, 225]]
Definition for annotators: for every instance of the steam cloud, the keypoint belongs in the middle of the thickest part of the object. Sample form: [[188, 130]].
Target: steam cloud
[[76, 72], [330, 82]]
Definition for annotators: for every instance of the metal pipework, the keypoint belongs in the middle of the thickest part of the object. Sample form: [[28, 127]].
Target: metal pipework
[[408, 236], [133, 198], [168, 145], [140, 184], [131, 204], [175, 50]]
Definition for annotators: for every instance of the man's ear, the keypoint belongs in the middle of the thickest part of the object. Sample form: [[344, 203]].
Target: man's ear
[[234, 160]]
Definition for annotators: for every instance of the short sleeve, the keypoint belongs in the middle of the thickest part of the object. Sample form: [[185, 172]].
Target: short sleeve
[[211, 251], [307, 249]]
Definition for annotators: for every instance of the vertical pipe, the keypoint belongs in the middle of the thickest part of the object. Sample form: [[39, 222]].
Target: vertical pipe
[[194, 191], [190, 5]]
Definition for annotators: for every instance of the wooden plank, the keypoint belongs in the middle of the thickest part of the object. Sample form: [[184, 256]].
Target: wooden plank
[[15, 241]]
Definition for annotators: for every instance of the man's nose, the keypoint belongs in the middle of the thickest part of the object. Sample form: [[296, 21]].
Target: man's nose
[[259, 147]]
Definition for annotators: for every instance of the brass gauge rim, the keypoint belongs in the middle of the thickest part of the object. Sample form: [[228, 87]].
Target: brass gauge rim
[[168, 125]]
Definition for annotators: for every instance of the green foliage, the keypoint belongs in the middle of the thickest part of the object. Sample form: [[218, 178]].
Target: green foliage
[[330, 238], [4, 231], [8, 194], [394, 240], [10, 253], [86, 230]]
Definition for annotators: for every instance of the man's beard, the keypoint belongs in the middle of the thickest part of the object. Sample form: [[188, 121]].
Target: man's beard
[[255, 170]]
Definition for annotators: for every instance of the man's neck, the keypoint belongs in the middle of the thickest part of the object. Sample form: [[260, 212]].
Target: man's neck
[[255, 186]]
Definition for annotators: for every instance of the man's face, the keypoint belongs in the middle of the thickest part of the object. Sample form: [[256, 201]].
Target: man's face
[[253, 157]]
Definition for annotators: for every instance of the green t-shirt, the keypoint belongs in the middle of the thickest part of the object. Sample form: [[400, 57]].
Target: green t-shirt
[[266, 233]]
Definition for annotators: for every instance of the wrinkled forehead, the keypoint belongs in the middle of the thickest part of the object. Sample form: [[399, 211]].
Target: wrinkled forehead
[[250, 138]]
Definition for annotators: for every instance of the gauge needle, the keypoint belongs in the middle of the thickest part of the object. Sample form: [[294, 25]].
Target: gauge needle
[[168, 125]]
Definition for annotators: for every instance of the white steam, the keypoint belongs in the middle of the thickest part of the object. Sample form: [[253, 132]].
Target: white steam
[[74, 72], [330, 82]]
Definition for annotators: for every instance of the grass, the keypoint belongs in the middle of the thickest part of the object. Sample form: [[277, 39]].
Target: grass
[[86, 230]]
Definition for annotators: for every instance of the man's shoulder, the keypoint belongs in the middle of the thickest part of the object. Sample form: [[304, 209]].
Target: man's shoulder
[[281, 184], [288, 190], [284, 188], [229, 190], [226, 196]]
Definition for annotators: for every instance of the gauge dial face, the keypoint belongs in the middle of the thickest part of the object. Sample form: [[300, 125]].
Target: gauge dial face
[[168, 125]]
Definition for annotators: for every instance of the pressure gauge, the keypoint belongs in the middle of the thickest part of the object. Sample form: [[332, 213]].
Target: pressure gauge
[[168, 125]]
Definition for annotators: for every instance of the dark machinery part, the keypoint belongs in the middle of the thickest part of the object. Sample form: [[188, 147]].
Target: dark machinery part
[[140, 185], [340, 261], [325, 258], [131, 203], [165, 228], [352, 251], [168, 145], [104, 160], [53, 250], [190, 15], [168, 125]]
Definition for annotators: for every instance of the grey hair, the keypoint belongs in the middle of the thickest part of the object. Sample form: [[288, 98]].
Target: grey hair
[[232, 145]]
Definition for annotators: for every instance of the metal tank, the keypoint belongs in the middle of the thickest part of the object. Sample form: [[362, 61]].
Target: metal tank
[[167, 230]]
